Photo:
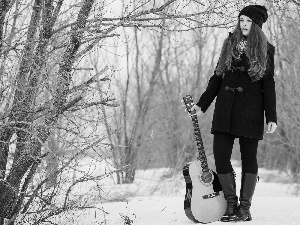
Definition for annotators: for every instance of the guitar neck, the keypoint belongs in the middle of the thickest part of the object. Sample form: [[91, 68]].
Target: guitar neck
[[201, 152]]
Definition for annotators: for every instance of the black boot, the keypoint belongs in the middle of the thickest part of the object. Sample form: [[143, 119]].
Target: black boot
[[247, 190], [227, 182]]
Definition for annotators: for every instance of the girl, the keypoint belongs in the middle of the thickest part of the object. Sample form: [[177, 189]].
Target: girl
[[244, 84]]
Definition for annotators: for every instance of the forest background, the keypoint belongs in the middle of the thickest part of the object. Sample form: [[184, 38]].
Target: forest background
[[99, 84]]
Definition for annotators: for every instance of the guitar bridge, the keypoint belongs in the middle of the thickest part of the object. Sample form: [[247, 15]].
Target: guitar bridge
[[212, 195]]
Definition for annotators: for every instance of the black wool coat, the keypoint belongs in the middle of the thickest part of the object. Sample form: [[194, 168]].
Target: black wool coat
[[241, 104]]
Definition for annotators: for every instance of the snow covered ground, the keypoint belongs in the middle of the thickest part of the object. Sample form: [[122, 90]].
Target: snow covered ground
[[156, 197], [169, 210]]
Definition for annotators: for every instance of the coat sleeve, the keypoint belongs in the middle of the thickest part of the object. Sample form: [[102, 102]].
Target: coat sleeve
[[269, 89], [210, 93]]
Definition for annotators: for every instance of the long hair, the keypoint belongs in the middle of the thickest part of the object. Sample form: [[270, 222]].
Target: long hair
[[256, 51]]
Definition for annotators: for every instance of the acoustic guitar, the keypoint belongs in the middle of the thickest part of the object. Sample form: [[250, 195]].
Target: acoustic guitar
[[204, 199]]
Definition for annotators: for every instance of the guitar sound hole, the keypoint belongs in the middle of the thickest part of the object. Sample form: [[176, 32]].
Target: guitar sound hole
[[207, 177]]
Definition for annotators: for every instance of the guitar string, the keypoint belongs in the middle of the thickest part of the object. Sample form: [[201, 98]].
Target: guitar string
[[201, 152]]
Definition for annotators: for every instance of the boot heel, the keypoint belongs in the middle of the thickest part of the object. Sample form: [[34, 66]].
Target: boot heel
[[249, 217]]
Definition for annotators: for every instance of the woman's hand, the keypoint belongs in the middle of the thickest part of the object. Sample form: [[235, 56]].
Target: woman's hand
[[271, 127], [198, 110]]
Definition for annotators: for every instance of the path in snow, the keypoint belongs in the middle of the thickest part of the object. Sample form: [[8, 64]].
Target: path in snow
[[273, 204]]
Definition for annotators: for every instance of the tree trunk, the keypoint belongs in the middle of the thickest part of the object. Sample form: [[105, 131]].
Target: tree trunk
[[28, 148], [52, 160]]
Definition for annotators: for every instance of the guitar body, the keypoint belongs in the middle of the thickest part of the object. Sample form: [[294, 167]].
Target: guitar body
[[204, 199], [203, 203]]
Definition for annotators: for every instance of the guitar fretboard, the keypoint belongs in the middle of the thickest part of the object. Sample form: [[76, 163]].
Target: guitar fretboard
[[201, 152]]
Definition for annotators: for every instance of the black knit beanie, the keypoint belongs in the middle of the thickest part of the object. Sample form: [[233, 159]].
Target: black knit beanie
[[257, 13]]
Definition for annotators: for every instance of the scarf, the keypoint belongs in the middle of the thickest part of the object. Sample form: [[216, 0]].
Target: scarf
[[240, 49], [253, 72]]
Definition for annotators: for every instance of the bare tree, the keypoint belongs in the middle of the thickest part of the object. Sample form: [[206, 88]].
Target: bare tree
[[283, 149], [52, 36]]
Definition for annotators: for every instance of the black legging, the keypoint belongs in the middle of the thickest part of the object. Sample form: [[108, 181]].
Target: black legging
[[222, 148]]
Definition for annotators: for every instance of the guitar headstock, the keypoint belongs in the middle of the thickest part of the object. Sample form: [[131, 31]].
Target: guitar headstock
[[189, 103]]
